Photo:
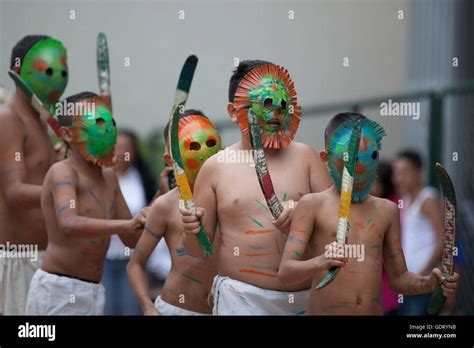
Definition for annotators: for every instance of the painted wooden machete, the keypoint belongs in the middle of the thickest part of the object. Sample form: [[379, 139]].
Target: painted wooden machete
[[182, 91], [346, 196], [449, 238]]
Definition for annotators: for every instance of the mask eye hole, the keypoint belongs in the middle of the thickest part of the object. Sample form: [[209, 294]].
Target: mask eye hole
[[100, 122], [283, 105], [375, 155], [64, 73], [194, 146], [49, 71], [113, 122], [268, 103], [211, 143]]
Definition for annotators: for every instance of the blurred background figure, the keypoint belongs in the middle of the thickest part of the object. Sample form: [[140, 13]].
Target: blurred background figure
[[383, 188], [138, 188], [421, 224]]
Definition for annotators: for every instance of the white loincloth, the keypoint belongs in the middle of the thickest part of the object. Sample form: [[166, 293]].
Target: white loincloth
[[233, 297], [165, 308], [51, 294], [15, 278]]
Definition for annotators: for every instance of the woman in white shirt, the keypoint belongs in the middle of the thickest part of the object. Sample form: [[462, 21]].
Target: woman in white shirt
[[422, 224]]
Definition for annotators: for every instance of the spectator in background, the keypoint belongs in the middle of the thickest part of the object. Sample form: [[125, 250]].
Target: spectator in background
[[383, 188], [422, 224], [138, 188]]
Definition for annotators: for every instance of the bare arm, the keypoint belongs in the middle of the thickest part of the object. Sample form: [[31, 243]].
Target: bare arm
[[432, 209], [122, 212], [62, 183], [319, 176], [400, 280], [205, 199], [136, 269], [17, 193], [292, 268]]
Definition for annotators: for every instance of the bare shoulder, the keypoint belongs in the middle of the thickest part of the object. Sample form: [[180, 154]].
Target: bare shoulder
[[384, 206], [314, 200], [302, 149], [164, 203], [10, 122], [62, 172]]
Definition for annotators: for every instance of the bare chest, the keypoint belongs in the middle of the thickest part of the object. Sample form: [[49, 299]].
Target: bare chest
[[38, 150], [96, 200]]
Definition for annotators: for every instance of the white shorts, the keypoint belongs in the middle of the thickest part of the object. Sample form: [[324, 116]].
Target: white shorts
[[15, 279], [51, 294], [165, 308], [233, 297]]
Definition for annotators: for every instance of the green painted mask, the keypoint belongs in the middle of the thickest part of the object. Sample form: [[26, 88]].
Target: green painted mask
[[367, 158], [198, 140], [95, 133], [270, 92], [270, 101], [44, 69]]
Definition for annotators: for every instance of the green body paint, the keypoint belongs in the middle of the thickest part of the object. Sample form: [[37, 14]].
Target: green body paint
[[284, 197], [297, 253], [187, 276], [258, 223]]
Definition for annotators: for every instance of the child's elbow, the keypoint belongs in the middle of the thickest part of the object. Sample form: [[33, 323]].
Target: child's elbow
[[66, 226], [284, 275]]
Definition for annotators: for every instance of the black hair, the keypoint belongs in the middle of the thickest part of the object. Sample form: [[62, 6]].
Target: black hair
[[384, 175], [66, 120], [337, 120], [149, 184], [238, 74], [187, 112], [413, 157], [23, 46]]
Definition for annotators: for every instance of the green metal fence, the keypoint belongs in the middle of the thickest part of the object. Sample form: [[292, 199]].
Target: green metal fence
[[435, 97]]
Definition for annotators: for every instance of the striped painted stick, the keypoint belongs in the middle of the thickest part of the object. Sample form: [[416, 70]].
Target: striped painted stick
[[345, 198], [181, 96], [261, 167]]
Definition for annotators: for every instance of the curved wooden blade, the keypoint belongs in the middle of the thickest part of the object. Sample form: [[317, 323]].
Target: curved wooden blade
[[103, 69], [346, 196], [36, 103], [261, 167], [182, 91], [449, 237]]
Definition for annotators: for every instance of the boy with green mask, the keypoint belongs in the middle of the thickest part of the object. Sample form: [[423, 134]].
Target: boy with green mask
[[27, 153], [372, 237], [83, 206]]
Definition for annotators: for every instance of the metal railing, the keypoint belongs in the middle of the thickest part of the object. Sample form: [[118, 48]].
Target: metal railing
[[434, 96]]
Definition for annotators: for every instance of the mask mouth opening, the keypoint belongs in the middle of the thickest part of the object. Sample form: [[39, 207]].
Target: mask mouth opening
[[273, 122]]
